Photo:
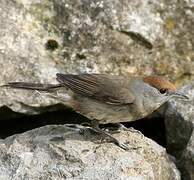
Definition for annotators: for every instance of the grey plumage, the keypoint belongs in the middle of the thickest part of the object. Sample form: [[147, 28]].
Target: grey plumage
[[109, 98]]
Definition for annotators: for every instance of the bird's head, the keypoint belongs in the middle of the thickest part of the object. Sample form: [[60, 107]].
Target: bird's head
[[158, 90], [165, 87]]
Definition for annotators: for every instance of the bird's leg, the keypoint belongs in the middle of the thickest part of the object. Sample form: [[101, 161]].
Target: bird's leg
[[121, 127], [95, 127], [117, 127], [124, 128], [86, 124]]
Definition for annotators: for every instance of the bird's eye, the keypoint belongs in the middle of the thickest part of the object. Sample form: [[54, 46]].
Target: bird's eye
[[163, 91]]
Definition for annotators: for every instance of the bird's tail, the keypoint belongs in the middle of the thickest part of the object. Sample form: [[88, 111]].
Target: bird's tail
[[51, 90], [32, 86]]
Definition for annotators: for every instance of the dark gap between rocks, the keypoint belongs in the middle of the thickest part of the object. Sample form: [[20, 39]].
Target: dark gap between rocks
[[153, 128], [21, 123]]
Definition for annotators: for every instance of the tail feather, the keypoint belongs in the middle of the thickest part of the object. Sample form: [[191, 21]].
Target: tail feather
[[32, 86]]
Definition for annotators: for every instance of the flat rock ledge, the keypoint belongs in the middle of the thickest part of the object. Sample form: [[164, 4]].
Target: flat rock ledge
[[61, 152]]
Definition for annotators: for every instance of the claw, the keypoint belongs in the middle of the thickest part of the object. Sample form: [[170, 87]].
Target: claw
[[101, 132], [113, 139], [121, 145]]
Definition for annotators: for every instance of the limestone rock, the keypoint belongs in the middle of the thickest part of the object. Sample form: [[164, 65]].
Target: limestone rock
[[179, 120], [40, 38], [60, 152]]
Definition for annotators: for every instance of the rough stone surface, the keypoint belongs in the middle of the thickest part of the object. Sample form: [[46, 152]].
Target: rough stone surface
[[40, 38], [179, 120], [60, 152]]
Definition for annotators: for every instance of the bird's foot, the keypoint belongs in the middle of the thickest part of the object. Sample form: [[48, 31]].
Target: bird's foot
[[120, 144], [97, 130], [113, 139], [86, 124], [121, 127], [116, 127], [74, 126]]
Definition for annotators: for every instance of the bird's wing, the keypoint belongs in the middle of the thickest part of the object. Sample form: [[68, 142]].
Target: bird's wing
[[105, 88]]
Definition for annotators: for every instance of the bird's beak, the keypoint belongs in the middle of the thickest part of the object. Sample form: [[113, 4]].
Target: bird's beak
[[179, 95]]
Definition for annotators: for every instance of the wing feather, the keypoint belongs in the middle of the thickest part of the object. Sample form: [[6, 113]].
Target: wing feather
[[105, 88]]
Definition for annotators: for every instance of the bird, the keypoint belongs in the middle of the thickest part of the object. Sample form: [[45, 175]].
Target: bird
[[105, 98]]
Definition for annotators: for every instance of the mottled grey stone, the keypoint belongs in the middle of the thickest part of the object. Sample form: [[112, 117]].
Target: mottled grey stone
[[60, 152], [179, 120], [40, 38]]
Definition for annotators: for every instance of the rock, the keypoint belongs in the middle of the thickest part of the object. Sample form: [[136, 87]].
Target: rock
[[61, 152], [40, 38], [179, 120]]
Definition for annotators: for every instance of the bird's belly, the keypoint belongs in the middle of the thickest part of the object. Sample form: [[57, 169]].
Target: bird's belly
[[104, 113]]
